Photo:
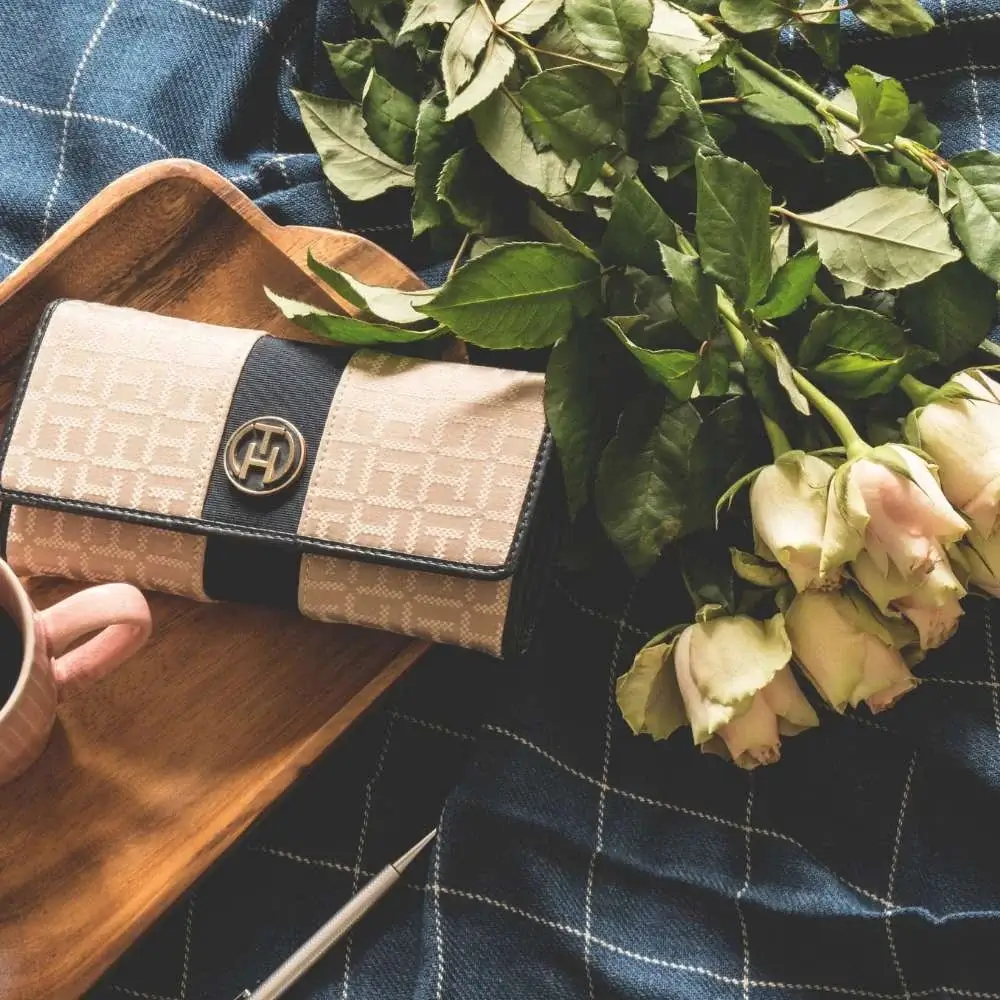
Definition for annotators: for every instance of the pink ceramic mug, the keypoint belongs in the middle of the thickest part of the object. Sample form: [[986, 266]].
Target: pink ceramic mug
[[116, 611]]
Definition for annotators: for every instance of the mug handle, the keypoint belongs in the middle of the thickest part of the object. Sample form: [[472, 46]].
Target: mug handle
[[121, 614]]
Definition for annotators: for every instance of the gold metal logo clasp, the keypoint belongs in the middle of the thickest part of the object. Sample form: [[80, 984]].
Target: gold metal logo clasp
[[265, 455]]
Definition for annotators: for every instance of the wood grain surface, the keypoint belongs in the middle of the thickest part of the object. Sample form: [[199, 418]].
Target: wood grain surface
[[152, 773]]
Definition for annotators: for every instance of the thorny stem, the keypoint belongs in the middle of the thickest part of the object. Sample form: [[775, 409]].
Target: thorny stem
[[909, 148], [920, 393]]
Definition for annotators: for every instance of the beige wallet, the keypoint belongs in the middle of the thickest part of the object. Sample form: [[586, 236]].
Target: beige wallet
[[222, 464]]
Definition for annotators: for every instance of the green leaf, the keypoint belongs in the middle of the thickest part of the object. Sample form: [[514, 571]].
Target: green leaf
[[858, 376], [497, 62], [614, 30], [748, 16], [694, 295], [732, 227], [707, 571], [501, 133], [555, 232], [464, 43], [351, 161], [780, 239], [346, 329], [975, 180], [676, 151], [395, 305], [390, 117], [901, 18], [674, 33], [763, 384], [677, 370], [475, 206], [768, 102], [436, 141], [821, 31], [636, 226], [850, 328], [713, 372], [579, 405], [786, 376], [951, 312], [427, 12], [790, 286], [641, 481], [881, 238], [526, 16], [521, 295], [883, 107], [383, 15], [353, 61], [559, 38], [648, 695], [575, 108]]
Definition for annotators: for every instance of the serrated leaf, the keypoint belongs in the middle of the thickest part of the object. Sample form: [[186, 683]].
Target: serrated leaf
[[555, 232], [636, 225], [883, 107], [395, 305], [713, 372], [786, 376], [351, 161], [579, 406], [575, 108], [790, 286], [821, 31], [346, 329], [559, 38], [881, 238], [497, 62], [641, 479], [435, 141], [732, 226], [390, 117], [674, 33], [352, 62], [526, 16], [520, 295], [501, 133], [748, 16], [464, 43], [475, 206], [975, 179], [677, 370], [427, 12], [768, 102], [676, 150], [951, 312], [694, 295], [900, 18], [613, 30]]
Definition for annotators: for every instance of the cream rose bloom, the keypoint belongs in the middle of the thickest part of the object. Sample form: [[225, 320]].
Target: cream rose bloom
[[962, 435], [847, 653], [788, 505], [889, 504], [727, 678]]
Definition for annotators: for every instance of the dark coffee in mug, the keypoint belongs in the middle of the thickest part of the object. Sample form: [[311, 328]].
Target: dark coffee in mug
[[11, 652]]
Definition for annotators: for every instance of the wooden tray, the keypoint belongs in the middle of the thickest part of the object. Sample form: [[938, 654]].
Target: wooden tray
[[154, 772]]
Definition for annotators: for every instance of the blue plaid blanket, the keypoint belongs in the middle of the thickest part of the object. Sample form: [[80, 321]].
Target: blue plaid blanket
[[573, 860]]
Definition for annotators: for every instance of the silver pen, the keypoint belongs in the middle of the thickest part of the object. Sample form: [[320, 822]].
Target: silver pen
[[300, 961]]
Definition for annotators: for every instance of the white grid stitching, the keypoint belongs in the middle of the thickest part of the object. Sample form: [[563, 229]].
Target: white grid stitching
[[435, 726], [138, 993], [71, 97], [890, 907], [683, 810], [743, 891], [603, 616], [438, 934], [338, 866], [991, 665], [951, 71], [83, 116], [362, 837], [186, 960], [588, 904]]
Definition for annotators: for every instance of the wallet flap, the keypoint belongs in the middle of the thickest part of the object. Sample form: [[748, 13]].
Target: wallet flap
[[232, 433]]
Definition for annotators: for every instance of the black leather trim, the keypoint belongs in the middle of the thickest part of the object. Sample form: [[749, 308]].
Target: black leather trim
[[210, 527]]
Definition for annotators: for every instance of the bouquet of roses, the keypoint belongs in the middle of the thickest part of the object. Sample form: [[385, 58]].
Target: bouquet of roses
[[720, 255]]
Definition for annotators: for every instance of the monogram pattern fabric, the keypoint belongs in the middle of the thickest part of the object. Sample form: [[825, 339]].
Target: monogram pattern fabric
[[53, 543], [125, 408], [426, 458], [469, 613]]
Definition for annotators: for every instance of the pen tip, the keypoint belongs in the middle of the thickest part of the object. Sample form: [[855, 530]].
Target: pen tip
[[401, 862]]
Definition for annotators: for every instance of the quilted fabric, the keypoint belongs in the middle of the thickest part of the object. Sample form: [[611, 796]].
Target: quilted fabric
[[573, 859]]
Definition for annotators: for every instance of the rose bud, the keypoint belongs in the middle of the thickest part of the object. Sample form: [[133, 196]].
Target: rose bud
[[889, 504], [847, 653], [788, 504], [931, 603], [962, 435], [729, 679]]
